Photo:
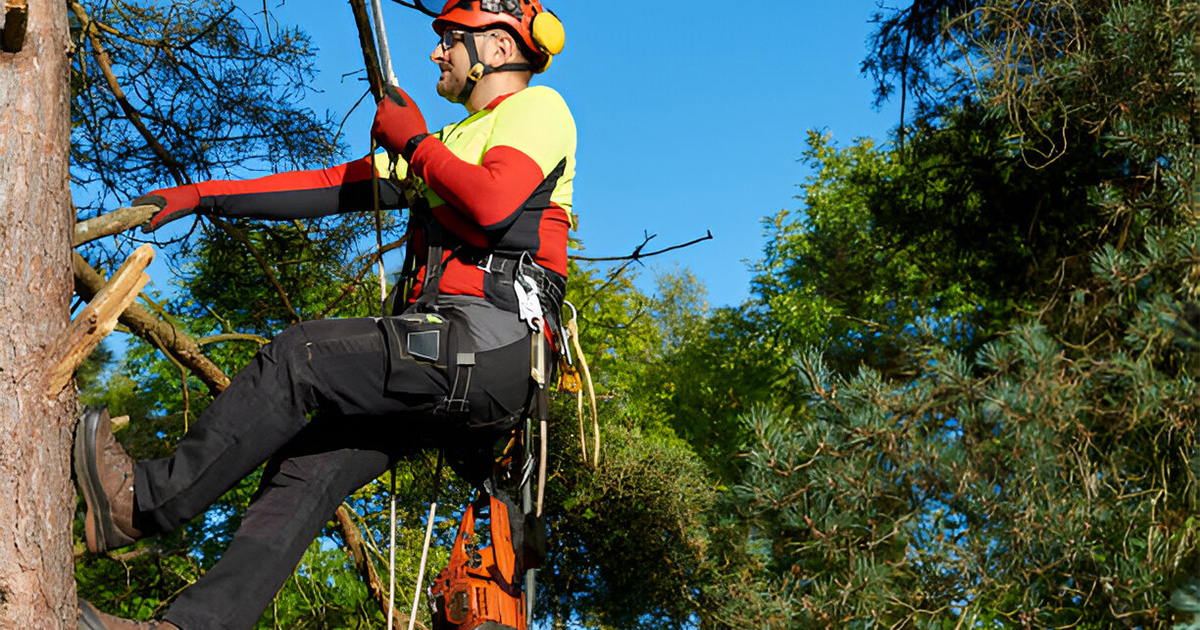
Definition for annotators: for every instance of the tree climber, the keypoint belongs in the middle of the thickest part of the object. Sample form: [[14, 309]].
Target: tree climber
[[330, 404]]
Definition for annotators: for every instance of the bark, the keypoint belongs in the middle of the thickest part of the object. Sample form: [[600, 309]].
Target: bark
[[37, 586], [1196, 125]]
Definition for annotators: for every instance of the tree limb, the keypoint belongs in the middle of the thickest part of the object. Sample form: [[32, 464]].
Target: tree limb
[[367, 40], [166, 337], [111, 223]]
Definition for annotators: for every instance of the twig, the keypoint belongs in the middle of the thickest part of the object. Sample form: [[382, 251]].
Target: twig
[[354, 284], [262, 341], [637, 254]]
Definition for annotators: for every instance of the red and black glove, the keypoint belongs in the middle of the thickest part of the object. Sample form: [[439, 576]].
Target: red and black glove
[[399, 125], [173, 203]]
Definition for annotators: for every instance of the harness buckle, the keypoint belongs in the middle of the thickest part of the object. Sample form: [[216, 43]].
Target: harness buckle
[[486, 264]]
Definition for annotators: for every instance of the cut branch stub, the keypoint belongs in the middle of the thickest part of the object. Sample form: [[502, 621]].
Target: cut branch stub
[[111, 223], [97, 320], [16, 18]]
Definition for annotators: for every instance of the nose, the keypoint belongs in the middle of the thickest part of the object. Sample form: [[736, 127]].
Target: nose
[[438, 53]]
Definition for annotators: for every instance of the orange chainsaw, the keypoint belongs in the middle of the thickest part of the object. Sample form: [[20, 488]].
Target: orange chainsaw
[[481, 587]]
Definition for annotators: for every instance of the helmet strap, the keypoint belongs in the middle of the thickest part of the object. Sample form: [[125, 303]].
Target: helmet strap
[[478, 69]]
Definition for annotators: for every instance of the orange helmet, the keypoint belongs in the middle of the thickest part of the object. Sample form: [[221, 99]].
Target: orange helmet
[[538, 30]]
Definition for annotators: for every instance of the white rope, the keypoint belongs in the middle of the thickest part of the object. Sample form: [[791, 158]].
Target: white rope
[[392, 556], [437, 480], [412, 619]]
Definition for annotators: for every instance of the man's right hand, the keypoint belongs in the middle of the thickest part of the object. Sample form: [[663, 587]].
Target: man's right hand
[[173, 203]]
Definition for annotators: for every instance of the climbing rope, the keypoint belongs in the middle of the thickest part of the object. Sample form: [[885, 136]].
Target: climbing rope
[[390, 76], [437, 478]]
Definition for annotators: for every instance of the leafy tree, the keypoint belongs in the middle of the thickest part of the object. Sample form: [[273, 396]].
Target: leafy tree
[[1032, 471]]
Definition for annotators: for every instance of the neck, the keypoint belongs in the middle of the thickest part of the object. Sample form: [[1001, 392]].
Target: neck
[[493, 86]]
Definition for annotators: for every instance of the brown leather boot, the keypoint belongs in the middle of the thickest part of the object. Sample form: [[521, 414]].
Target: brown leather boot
[[104, 473], [92, 619]]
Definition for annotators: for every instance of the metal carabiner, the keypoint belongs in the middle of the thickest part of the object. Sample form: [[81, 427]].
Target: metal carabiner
[[564, 332]]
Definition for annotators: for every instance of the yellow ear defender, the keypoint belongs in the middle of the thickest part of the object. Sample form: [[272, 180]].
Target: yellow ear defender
[[548, 33]]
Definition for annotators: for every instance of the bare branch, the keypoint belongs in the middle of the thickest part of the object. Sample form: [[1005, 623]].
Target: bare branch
[[131, 114], [111, 223], [367, 40], [637, 254], [97, 320]]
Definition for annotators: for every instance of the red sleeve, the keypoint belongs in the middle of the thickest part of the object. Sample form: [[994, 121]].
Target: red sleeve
[[300, 194], [489, 194]]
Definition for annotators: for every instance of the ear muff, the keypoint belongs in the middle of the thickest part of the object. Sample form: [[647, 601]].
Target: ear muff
[[548, 34]]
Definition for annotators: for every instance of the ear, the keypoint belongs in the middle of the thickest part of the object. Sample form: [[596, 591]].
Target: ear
[[506, 49]]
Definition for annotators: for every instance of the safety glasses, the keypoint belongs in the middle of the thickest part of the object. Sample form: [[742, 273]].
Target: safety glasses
[[450, 37]]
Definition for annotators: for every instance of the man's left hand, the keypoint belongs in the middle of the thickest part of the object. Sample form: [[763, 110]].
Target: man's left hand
[[399, 125]]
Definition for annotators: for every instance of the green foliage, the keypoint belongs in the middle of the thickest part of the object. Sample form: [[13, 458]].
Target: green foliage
[[628, 540], [1027, 489], [1008, 442]]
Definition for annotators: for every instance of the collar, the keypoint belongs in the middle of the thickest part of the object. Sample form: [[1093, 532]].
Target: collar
[[496, 101]]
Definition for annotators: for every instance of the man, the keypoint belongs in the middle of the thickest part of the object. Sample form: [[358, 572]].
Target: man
[[329, 404]]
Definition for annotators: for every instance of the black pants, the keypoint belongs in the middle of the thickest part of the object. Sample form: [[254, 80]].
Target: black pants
[[330, 405]]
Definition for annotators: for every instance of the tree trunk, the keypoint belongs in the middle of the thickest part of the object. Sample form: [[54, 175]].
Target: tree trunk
[[37, 586]]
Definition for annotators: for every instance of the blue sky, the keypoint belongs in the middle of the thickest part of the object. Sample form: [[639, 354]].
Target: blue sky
[[691, 115]]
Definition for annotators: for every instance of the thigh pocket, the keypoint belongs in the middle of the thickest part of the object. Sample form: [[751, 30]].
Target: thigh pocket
[[420, 353], [423, 337]]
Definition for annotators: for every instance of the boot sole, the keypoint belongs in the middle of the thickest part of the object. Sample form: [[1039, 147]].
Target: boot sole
[[99, 530]]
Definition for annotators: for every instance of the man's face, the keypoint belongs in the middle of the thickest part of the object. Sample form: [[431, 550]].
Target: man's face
[[451, 56], [454, 64]]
